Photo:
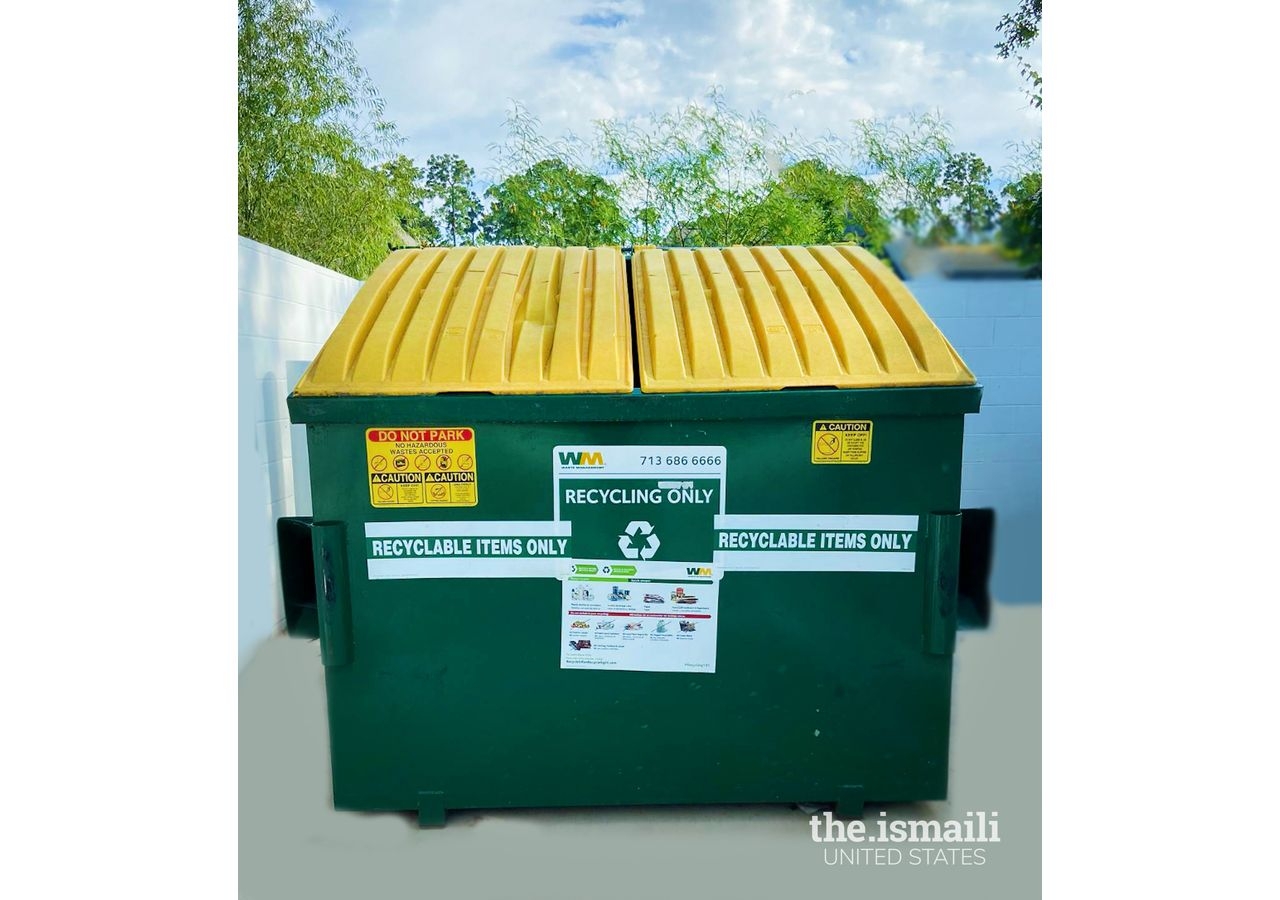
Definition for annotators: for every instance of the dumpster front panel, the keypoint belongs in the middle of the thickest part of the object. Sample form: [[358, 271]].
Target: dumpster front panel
[[446, 628]]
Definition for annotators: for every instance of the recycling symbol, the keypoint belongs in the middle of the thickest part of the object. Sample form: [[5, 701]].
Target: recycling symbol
[[626, 541]]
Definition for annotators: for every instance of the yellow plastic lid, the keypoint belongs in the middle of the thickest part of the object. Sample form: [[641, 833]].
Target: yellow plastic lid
[[502, 320], [764, 318]]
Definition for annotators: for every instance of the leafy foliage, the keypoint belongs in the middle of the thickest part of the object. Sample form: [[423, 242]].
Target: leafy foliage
[[1021, 221], [709, 175], [907, 160], [553, 203], [696, 175], [524, 145], [1019, 31], [809, 202], [933, 192], [448, 181], [840, 207], [546, 191], [409, 190], [319, 175], [966, 179], [312, 134]]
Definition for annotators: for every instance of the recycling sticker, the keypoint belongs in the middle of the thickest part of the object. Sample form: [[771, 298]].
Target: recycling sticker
[[643, 532], [642, 593]]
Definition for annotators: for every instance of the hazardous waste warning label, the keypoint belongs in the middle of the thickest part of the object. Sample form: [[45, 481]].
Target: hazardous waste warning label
[[841, 441], [426, 466]]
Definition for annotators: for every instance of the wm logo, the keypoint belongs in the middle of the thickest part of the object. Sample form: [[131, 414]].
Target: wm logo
[[698, 570], [580, 458]]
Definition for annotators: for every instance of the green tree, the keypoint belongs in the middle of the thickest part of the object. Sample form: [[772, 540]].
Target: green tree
[[553, 203], [705, 174], [312, 135], [812, 202], [908, 159], [1020, 221], [524, 146], [1019, 31], [973, 207], [1019, 225], [934, 193], [448, 182], [409, 191], [697, 175]]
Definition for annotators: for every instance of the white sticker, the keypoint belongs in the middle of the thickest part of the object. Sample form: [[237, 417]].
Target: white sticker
[[640, 626], [643, 591]]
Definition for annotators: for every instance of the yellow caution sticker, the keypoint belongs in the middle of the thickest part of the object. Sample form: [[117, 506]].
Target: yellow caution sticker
[[841, 441], [426, 466]]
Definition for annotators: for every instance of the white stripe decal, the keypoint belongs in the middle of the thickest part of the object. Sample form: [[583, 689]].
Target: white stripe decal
[[820, 523], [814, 561], [467, 529], [461, 567]]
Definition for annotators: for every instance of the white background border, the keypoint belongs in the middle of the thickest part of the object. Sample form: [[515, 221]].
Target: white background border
[[1160, 323]]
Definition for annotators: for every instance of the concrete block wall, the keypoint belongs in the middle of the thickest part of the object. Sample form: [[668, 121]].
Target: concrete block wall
[[287, 308], [995, 326]]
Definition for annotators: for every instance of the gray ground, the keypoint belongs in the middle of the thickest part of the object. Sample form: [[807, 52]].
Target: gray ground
[[293, 844]]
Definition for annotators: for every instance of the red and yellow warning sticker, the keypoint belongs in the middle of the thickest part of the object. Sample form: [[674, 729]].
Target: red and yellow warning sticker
[[841, 441], [426, 466]]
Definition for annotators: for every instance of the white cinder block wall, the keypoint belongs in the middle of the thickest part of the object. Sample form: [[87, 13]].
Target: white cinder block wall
[[995, 327], [288, 307]]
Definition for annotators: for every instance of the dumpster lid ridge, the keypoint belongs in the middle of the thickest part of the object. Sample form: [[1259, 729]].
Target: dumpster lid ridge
[[766, 318], [549, 320], [501, 320]]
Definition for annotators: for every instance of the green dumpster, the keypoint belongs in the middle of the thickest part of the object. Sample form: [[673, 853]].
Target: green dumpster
[[592, 530]]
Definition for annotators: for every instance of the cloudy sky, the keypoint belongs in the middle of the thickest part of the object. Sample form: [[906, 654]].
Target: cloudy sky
[[448, 70]]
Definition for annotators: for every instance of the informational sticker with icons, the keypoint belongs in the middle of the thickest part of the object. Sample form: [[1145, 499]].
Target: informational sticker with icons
[[428, 466]]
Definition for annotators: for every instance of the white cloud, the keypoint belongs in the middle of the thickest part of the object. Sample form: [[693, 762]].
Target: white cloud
[[448, 70]]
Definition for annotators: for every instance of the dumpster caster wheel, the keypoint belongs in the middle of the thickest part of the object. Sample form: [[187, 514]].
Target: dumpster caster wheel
[[431, 809], [850, 801]]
